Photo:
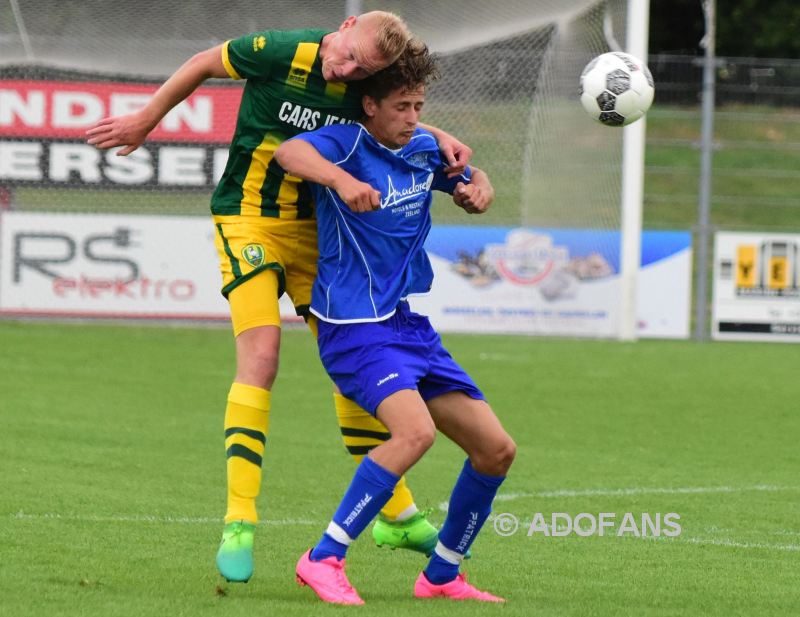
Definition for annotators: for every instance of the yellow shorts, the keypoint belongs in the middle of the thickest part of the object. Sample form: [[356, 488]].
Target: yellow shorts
[[260, 259]]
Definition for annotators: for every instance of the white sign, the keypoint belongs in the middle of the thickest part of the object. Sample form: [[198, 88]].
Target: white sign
[[756, 287], [158, 267], [553, 281], [49, 163], [562, 282]]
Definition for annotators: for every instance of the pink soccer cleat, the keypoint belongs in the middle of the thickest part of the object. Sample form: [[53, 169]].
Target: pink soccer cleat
[[457, 589], [327, 578]]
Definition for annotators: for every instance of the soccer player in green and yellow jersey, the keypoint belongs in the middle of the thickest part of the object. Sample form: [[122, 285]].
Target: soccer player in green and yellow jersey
[[266, 234]]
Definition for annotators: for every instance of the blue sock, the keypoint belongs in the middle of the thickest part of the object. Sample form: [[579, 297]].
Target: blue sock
[[370, 489], [470, 505]]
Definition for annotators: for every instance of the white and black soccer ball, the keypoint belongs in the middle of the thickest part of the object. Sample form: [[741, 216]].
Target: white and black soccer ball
[[616, 88]]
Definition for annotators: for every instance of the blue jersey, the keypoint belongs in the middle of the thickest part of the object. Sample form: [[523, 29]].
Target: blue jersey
[[369, 261]]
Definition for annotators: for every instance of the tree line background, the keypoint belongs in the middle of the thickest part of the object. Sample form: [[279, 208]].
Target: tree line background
[[758, 28]]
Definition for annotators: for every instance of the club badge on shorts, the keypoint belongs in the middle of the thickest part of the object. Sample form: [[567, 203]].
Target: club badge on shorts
[[253, 254]]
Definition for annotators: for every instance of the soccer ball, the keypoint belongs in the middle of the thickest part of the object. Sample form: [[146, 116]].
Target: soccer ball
[[616, 89]]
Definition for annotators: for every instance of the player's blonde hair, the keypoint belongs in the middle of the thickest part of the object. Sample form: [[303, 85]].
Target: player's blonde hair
[[391, 32], [414, 68]]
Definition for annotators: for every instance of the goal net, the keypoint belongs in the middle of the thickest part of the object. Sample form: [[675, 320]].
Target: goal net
[[509, 89]]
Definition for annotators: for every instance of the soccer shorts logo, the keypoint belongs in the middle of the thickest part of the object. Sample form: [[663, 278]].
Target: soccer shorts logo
[[253, 254]]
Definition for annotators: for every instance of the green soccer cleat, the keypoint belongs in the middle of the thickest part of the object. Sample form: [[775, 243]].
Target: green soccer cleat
[[235, 554], [415, 533]]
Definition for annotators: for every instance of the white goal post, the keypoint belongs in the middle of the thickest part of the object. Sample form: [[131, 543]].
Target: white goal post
[[633, 181]]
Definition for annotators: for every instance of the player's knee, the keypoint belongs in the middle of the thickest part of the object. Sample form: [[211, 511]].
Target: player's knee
[[497, 458], [258, 366], [423, 438], [417, 440], [506, 453], [257, 356], [265, 362]]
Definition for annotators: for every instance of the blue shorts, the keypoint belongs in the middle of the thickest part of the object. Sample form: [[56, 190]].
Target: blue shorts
[[371, 361]]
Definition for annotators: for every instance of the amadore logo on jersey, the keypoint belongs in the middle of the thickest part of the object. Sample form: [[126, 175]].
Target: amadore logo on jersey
[[253, 254], [411, 192]]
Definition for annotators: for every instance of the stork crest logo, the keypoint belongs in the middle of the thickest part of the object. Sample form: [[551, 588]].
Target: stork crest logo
[[253, 254]]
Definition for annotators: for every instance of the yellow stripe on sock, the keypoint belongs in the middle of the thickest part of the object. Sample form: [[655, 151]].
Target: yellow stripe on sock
[[361, 441], [256, 445], [247, 410]]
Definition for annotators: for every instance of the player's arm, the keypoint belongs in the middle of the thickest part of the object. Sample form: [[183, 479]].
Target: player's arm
[[301, 159], [131, 130], [456, 154], [477, 196]]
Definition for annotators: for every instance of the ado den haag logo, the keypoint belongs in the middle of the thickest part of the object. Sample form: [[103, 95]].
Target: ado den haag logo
[[253, 254]]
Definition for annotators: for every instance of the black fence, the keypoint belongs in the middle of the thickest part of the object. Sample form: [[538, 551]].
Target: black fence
[[747, 81]]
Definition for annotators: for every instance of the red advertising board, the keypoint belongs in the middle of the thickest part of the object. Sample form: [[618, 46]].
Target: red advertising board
[[43, 126], [66, 109]]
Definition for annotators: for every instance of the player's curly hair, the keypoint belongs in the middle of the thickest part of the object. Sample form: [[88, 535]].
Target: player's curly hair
[[415, 67]]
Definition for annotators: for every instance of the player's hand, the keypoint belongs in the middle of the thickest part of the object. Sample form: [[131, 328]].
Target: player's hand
[[456, 154], [128, 131], [473, 198], [359, 196]]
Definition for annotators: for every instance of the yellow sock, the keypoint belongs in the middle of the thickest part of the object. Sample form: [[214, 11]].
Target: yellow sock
[[246, 428], [361, 432]]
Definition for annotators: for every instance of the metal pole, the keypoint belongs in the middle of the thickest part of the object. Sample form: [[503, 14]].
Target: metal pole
[[23, 32], [706, 154], [352, 7]]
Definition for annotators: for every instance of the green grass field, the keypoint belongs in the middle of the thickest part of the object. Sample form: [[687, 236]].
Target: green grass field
[[113, 477], [755, 182]]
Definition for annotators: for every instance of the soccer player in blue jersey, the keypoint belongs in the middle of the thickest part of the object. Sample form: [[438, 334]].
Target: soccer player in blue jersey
[[373, 184]]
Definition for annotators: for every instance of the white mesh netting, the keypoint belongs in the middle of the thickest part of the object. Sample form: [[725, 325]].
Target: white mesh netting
[[509, 89]]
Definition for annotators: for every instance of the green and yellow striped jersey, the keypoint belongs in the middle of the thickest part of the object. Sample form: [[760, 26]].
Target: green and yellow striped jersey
[[285, 95]]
